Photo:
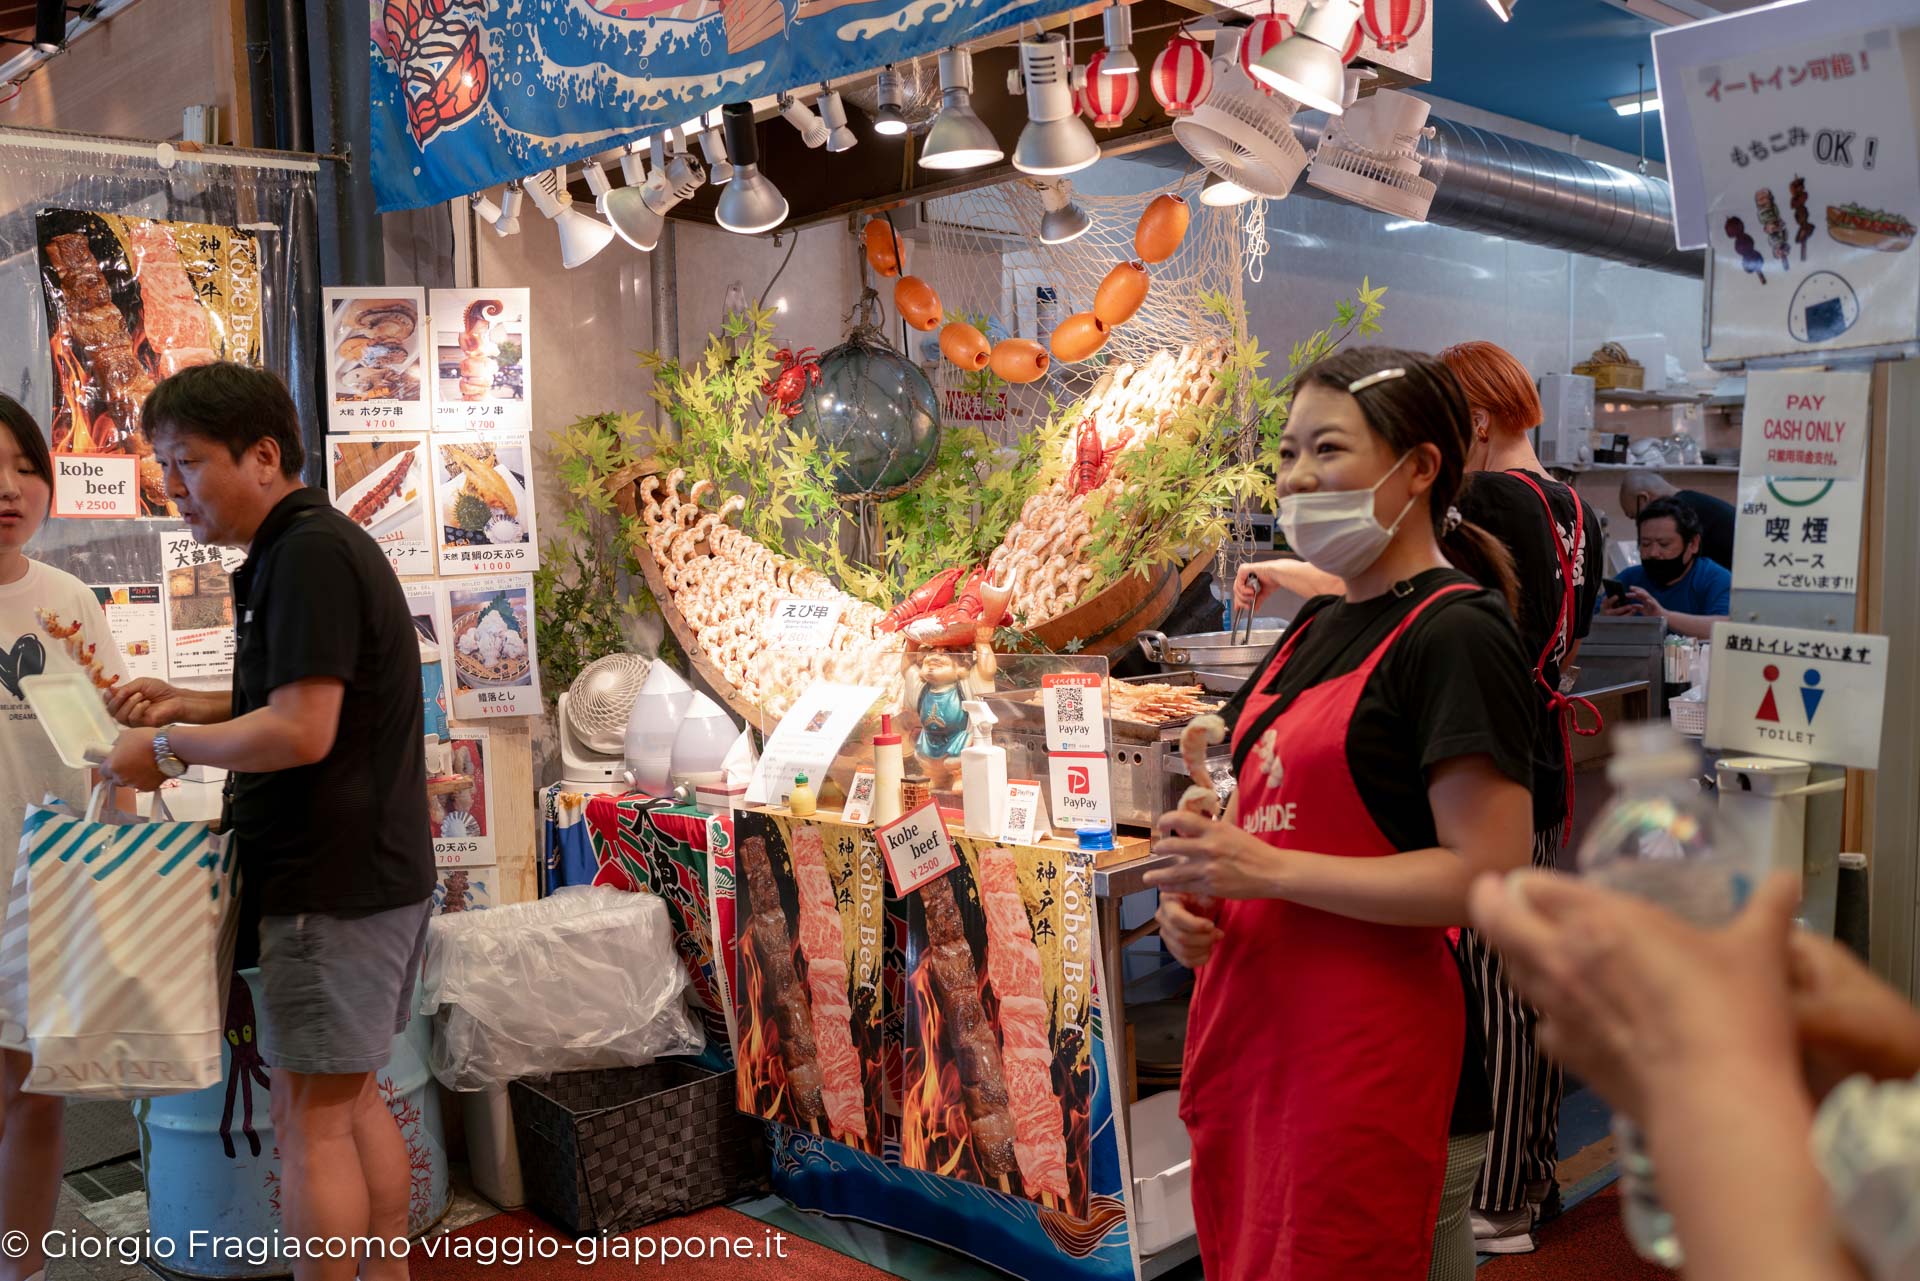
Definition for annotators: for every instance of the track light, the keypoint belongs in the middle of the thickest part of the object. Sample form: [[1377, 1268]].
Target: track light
[[751, 203], [484, 210], [1056, 140], [714, 147], [633, 169], [638, 210], [1118, 25], [508, 223], [1307, 66], [833, 112], [1503, 9], [890, 120], [959, 139], [1064, 219], [596, 175], [813, 131], [581, 237], [1221, 193]]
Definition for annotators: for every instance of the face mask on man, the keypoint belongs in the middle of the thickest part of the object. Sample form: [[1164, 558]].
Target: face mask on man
[[1337, 531], [1665, 571]]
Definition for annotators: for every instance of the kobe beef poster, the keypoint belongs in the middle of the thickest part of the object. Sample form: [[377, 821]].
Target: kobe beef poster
[[809, 1006], [999, 1079], [131, 301]]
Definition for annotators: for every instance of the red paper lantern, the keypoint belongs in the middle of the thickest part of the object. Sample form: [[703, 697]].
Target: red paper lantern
[[1182, 75], [1391, 23], [1108, 100], [1352, 50], [1268, 30]]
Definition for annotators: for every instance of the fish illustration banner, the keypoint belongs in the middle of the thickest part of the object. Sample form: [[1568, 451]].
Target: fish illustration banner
[[467, 94], [129, 302]]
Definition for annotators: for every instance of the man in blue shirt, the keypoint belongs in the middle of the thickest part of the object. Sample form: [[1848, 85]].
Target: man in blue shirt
[[1673, 580]]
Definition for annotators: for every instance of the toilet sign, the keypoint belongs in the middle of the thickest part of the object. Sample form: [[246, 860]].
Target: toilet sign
[[1798, 695]]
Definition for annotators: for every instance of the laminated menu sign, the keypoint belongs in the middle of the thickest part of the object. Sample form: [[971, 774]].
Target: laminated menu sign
[[808, 738], [483, 491], [200, 608], [1003, 1093], [424, 603], [800, 623], [96, 486], [382, 484], [129, 302], [457, 808], [481, 359], [464, 889], [138, 622], [1075, 721], [1798, 694], [1791, 140], [496, 669], [377, 359], [917, 848]]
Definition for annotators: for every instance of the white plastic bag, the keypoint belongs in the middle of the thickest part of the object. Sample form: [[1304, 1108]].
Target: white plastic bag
[[585, 979]]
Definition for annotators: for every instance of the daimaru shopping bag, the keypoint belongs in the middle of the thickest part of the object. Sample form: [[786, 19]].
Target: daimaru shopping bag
[[126, 930]]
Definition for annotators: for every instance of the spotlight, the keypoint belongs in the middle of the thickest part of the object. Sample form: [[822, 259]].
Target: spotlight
[[633, 168], [1064, 219], [581, 237], [1503, 9], [751, 203], [714, 147], [1221, 192], [509, 224], [813, 131], [1055, 140], [484, 209], [892, 93], [1307, 66], [596, 175], [959, 139], [50, 24], [834, 113], [639, 210], [1118, 24]]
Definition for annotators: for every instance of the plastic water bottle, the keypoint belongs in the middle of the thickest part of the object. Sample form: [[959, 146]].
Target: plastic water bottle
[[1656, 840]]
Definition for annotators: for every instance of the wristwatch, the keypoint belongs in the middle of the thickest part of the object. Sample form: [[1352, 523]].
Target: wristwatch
[[164, 760]]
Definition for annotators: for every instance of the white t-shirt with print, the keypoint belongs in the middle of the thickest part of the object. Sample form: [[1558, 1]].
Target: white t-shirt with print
[[29, 769]]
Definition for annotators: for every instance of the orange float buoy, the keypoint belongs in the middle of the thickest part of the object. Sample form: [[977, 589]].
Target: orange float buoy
[[883, 248], [965, 346], [1019, 360], [1079, 336], [1162, 227], [1121, 294], [919, 305]]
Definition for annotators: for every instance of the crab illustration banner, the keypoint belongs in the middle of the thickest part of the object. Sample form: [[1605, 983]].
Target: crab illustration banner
[[467, 94]]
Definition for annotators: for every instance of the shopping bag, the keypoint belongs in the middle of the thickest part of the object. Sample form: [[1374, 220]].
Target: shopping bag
[[126, 925]]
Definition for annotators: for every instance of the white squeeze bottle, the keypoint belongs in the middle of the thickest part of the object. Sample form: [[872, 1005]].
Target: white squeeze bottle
[[983, 776], [889, 772], [1656, 840]]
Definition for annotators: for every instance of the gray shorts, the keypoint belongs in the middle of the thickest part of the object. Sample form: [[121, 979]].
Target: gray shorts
[[338, 988]]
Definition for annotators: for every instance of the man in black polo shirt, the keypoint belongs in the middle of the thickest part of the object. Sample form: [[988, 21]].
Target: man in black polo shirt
[[322, 735]]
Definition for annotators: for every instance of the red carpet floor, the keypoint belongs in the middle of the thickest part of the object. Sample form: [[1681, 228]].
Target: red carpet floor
[[1587, 1243], [529, 1247]]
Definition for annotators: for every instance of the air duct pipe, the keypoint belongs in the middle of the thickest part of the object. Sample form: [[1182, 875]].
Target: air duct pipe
[[1516, 190]]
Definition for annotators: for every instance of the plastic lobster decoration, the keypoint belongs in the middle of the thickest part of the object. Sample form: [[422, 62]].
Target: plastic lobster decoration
[[1093, 462], [245, 1066], [937, 616], [798, 371], [438, 49]]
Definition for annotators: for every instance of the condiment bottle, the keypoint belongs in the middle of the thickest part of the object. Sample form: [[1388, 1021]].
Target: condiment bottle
[[983, 776], [800, 803], [889, 771]]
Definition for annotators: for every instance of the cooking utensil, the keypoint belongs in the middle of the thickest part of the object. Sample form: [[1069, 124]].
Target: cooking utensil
[[1228, 653]]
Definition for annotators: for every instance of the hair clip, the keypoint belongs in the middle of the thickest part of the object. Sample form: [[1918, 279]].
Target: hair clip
[[1359, 385], [1453, 520]]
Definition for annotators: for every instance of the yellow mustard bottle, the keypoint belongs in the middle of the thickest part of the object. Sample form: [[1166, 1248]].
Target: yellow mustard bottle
[[801, 803]]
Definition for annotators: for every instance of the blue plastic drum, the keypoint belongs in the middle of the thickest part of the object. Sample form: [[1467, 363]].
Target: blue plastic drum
[[212, 1168]]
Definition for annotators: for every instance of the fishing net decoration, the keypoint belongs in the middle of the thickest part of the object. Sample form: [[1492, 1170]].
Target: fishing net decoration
[[981, 249]]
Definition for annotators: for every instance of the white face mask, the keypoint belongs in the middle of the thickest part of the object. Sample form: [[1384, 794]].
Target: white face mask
[[1337, 531]]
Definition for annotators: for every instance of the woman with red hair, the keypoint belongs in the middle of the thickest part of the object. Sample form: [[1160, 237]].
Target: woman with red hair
[[1556, 544]]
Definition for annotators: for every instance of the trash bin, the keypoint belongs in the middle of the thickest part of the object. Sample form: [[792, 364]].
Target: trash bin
[[211, 1165]]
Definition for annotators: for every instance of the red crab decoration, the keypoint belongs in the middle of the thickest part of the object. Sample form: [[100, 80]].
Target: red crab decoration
[[1092, 461], [798, 371]]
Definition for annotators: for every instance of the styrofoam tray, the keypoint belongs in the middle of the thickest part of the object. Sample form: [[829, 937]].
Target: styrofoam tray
[[73, 714]]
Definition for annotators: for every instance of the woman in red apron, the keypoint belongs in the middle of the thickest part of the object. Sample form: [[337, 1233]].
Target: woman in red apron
[[1336, 1102]]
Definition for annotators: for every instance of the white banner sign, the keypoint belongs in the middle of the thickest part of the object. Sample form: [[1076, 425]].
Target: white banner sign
[[1799, 695]]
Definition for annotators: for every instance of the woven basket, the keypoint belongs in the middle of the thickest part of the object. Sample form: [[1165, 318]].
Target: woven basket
[[614, 1150]]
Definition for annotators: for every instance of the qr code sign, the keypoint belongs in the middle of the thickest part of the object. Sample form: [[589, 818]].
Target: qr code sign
[[1075, 722], [1020, 818]]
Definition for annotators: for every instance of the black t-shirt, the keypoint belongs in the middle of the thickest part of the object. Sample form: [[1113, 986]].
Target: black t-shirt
[[1502, 504], [1455, 685], [349, 833], [1716, 524]]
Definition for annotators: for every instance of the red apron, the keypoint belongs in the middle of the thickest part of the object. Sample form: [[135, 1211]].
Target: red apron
[[1564, 708], [1323, 1052]]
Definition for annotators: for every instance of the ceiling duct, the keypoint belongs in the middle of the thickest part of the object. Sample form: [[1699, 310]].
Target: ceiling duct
[[1501, 186]]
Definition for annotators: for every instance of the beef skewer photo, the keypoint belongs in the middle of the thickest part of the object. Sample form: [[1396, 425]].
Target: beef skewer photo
[[768, 934], [1013, 966], [1797, 191], [823, 945], [976, 1052]]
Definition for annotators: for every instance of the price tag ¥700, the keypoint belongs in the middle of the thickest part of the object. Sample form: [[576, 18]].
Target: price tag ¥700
[[800, 623]]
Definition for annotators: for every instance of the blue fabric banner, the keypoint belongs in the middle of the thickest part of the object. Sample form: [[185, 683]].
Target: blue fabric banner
[[467, 94]]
